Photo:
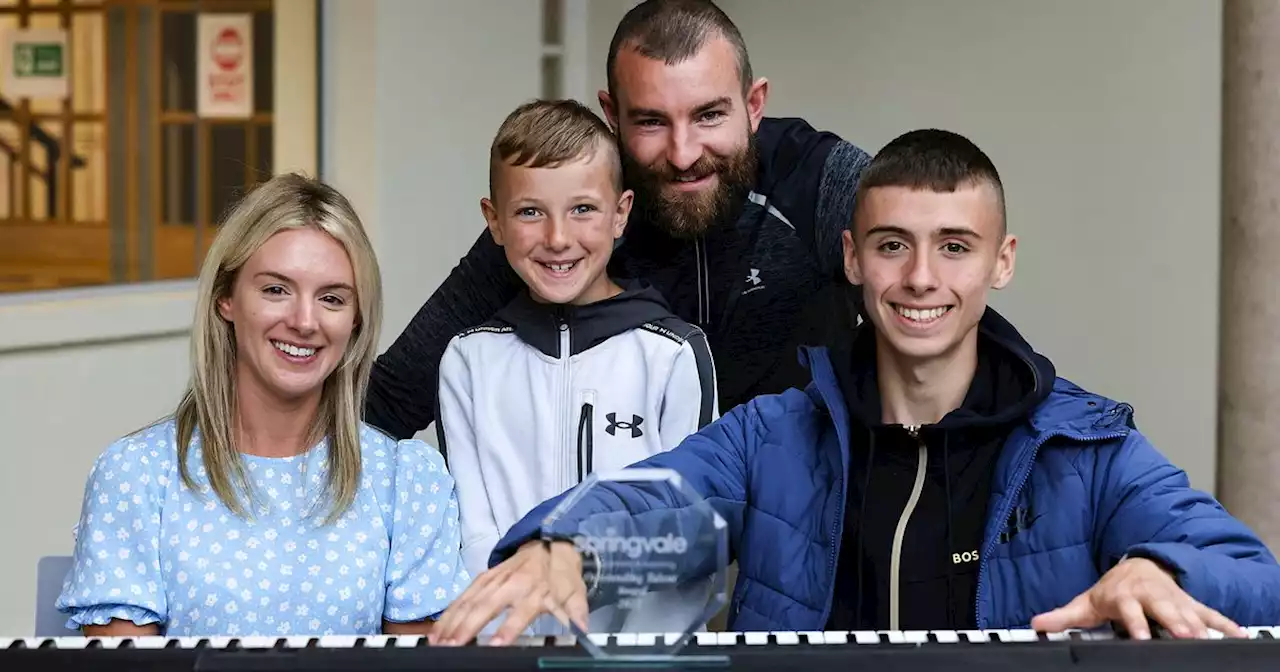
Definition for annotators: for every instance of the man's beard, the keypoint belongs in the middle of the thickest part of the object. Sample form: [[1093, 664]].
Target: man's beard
[[690, 214]]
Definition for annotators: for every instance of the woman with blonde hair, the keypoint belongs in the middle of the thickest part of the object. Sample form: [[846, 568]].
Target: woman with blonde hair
[[263, 505]]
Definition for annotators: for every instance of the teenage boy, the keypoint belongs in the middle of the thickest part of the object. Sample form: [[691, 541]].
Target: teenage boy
[[936, 474], [579, 373]]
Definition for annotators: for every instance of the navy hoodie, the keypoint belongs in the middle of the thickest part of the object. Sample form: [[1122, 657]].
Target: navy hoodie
[[937, 564]]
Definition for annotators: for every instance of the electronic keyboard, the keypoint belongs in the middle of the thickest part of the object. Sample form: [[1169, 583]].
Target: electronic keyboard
[[986, 650]]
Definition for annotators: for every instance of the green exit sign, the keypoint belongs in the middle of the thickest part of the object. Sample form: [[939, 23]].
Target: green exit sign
[[38, 59]]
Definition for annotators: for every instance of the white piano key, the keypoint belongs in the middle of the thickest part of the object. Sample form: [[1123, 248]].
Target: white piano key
[[866, 637], [787, 637], [756, 638], [627, 638], [186, 642], [814, 637], [647, 639], [219, 642], [727, 638], [706, 638], [599, 638], [297, 641], [565, 640], [835, 636], [5, 642], [946, 636], [978, 636], [70, 642], [257, 642], [337, 641], [528, 641], [916, 636], [1023, 635], [1058, 636], [670, 638], [1215, 634], [407, 641]]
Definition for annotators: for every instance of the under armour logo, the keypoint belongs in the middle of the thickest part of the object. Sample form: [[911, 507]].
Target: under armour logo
[[754, 276], [614, 425]]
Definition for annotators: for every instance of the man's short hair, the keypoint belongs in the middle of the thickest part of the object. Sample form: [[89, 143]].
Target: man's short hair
[[550, 133], [930, 159], [673, 31]]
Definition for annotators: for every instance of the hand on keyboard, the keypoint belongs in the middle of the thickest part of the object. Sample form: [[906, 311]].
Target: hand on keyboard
[[541, 578], [1129, 594]]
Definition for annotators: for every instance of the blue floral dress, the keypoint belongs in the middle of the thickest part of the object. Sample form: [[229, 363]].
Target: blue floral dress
[[150, 550]]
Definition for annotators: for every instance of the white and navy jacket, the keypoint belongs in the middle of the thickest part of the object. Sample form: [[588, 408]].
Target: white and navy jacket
[[542, 395]]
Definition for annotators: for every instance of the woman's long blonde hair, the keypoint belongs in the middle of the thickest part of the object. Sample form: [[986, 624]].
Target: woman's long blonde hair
[[285, 202]]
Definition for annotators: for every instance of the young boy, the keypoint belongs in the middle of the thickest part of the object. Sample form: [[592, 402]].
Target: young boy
[[937, 474], [580, 373]]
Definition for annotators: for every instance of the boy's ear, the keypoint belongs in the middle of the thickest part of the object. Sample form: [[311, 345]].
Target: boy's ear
[[491, 219], [625, 201]]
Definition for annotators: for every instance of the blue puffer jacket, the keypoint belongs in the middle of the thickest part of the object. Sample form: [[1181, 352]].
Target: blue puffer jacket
[[775, 468]]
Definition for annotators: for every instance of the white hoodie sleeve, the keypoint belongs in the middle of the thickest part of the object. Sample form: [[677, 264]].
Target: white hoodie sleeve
[[691, 398], [455, 421]]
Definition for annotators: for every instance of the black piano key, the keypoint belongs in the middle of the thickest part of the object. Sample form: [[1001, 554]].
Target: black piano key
[[359, 643], [47, 644], [202, 644], [233, 644], [94, 644], [1264, 634], [281, 644], [125, 644]]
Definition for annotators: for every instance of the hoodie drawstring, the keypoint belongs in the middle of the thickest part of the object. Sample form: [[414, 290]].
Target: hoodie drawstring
[[862, 508], [951, 547]]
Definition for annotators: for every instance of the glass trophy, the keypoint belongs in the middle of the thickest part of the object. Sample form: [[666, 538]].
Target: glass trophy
[[652, 555]]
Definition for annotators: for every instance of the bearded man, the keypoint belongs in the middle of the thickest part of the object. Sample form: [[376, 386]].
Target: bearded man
[[737, 218]]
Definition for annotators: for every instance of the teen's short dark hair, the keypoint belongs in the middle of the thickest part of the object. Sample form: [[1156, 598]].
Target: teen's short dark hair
[[673, 31], [930, 159]]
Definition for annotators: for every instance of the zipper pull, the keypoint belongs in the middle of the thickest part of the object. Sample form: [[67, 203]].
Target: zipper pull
[[913, 430]]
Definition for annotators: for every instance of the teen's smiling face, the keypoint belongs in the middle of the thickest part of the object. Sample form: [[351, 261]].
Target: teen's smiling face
[[293, 310], [926, 261]]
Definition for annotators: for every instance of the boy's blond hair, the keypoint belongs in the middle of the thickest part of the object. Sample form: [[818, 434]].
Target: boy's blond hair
[[549, 133]]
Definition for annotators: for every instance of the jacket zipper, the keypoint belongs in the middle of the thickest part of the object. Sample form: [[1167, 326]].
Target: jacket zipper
[[586, 440], [895, 557], [1024, 470], [566, 341]]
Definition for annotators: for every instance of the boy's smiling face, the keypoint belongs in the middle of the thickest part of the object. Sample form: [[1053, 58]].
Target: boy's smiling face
[[558, 226]]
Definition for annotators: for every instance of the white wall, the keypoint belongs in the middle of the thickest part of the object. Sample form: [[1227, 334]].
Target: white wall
[[1103, 118], [80, 368]]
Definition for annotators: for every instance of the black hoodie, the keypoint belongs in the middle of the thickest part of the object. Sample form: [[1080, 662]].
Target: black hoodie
[[938, 558]]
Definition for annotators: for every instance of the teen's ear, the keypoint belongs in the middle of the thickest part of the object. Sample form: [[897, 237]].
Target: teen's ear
[[610, 112], [623, 214], [1005, 258], [491, 219], [757, 96], [852, 270]]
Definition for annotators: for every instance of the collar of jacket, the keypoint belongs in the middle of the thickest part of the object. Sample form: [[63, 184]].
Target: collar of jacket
[[548, 326]]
